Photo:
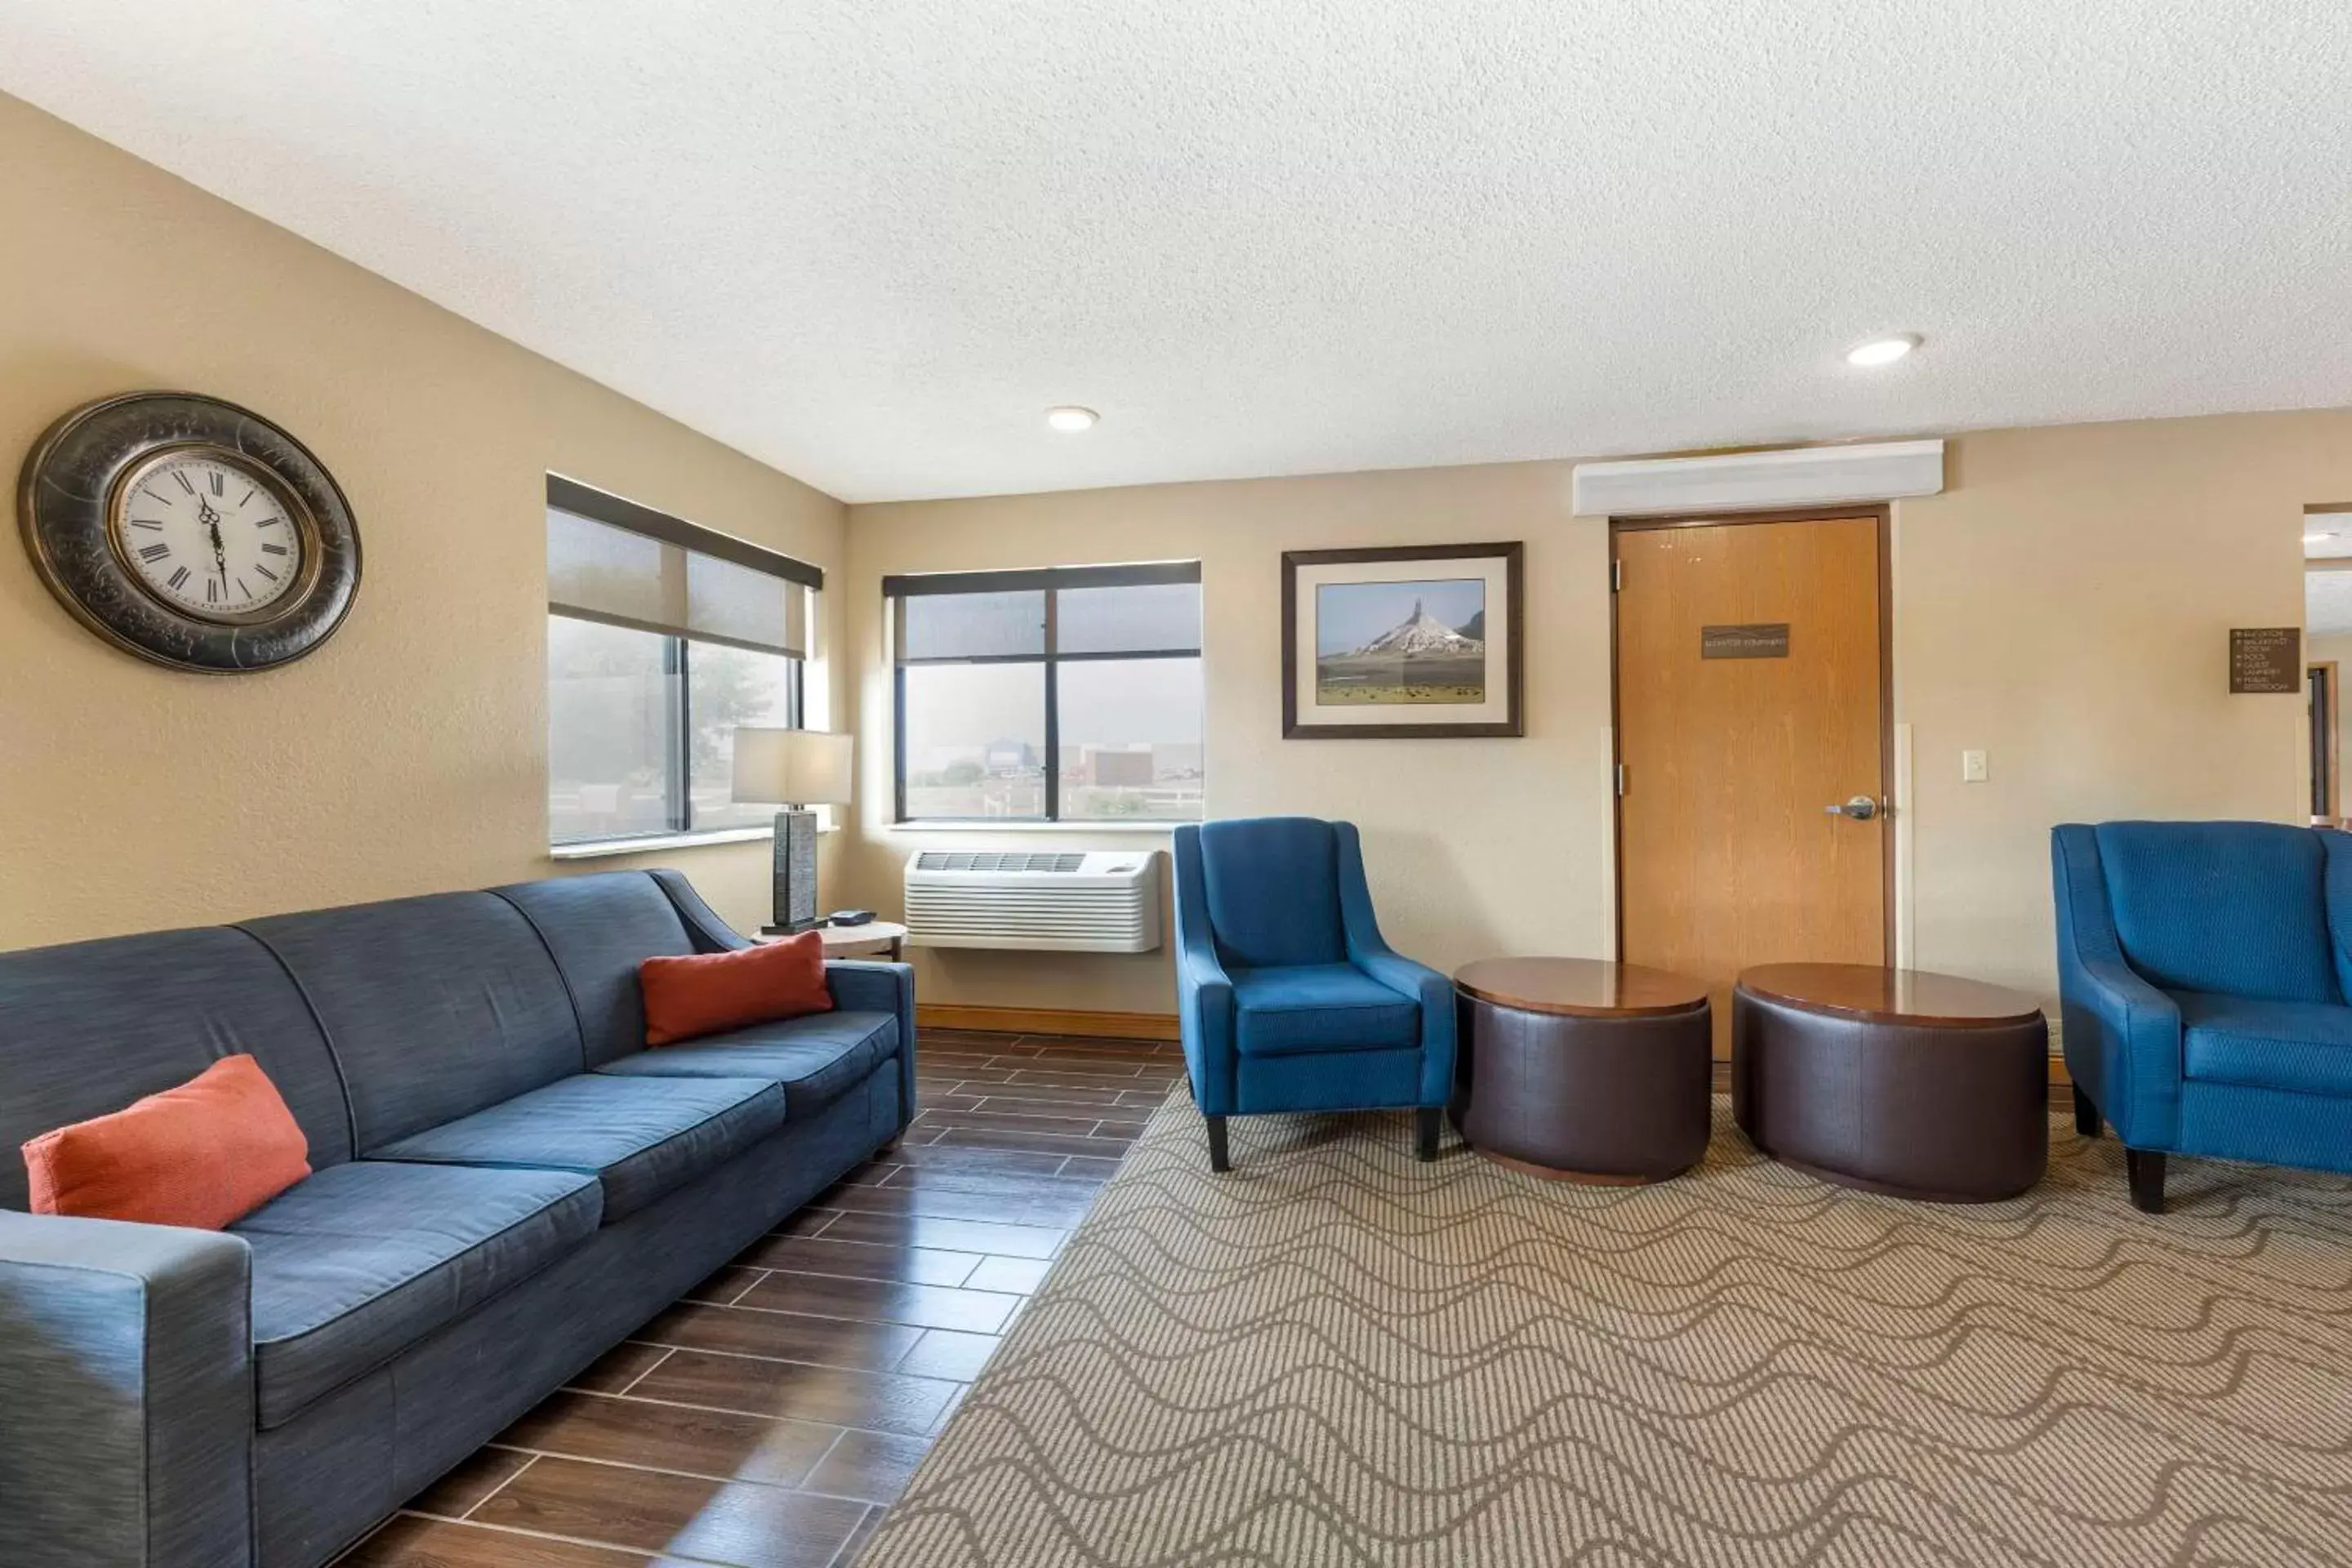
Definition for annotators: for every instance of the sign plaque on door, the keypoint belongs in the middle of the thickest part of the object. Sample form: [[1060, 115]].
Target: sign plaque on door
[[1757, 639], [2265, 659]]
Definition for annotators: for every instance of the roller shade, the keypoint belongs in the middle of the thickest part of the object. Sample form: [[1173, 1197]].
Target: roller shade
[[599, 572]]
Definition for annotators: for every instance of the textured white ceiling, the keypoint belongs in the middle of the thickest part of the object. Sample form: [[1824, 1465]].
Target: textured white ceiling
[[870, 242]]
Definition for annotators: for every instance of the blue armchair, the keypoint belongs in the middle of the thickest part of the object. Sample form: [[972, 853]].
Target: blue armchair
[[2202, 972], [1290, 1000]]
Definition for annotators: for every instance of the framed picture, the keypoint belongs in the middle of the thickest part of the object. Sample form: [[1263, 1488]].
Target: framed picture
[[1400, 643]]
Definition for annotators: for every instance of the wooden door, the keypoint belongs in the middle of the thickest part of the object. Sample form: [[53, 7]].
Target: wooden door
[[1750, 703]]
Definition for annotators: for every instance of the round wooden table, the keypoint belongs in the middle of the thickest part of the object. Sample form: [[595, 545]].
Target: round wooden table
[[884, 939], [1893, 1080], [1582, 1069]]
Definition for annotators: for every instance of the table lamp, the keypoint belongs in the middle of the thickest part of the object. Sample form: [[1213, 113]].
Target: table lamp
[[795, 769]]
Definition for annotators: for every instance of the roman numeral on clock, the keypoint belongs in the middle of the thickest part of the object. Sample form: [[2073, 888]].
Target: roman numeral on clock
[[178, 578], [219, 485], [153, 551], [212, 592], [146, 522], [266, 572], [183, 483], [273, 550]]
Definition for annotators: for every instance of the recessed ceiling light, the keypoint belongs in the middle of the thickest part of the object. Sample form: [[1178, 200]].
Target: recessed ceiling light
[[1072, 418], [1882, 350]]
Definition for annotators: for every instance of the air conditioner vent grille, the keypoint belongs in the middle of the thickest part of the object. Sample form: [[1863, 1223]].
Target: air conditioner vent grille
[[1098, 901], [975, 860]]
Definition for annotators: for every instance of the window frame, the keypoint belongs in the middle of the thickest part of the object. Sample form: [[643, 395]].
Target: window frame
[[585, 501], [678, 749], [1051, 581]]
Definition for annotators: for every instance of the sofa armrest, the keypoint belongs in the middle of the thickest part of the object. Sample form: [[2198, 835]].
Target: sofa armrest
[[871, 986], [126, 1395], [703, 927]]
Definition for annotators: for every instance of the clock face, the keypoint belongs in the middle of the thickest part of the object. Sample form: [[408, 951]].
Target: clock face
[[209, 535]]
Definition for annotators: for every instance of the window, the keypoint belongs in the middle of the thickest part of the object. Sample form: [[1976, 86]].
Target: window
[[1070, 695], [661, 639]]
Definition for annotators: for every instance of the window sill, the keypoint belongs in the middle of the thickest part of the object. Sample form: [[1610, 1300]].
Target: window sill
[[984, 825], [598, 849]]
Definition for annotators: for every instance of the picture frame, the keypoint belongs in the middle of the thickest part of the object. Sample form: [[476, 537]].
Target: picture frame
[[1403, 642]]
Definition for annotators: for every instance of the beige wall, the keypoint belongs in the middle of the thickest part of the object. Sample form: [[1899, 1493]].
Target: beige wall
[[2064, 606], [408, 753], [1473, 846]]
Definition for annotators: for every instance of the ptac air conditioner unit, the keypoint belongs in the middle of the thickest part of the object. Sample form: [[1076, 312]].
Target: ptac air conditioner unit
[[1061, 901]]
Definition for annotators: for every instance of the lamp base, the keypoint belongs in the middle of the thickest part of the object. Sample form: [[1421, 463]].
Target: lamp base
[[795, 874]]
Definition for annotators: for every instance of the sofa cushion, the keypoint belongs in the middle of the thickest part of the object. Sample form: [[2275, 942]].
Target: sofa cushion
[[1272, 890], [362, 1260], [817, 1058], [88, 1028], [600, 928], [434, 1007], [639, 1136], [2237, 908], [2299, 1046], [1319, 1008]]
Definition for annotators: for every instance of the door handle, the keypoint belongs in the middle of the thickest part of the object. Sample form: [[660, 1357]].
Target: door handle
[[1861, 808]]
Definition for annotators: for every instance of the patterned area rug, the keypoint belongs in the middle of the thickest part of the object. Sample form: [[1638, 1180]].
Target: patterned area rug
[[1336, 1355]]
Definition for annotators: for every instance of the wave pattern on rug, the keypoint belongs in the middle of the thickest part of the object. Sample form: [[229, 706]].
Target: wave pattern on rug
[[1337, 1355]]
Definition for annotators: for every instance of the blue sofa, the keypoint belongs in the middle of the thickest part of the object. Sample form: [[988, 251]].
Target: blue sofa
[[2203, 969], [505, 1186], [1288, 998]]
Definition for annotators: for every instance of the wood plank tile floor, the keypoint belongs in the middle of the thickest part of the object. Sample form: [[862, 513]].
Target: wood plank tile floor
[[767, 1419]]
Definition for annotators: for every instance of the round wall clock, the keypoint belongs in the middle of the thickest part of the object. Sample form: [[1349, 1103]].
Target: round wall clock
[[190, 531]]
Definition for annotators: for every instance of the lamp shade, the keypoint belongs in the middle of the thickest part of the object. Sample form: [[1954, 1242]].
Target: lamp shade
[[790, 767]]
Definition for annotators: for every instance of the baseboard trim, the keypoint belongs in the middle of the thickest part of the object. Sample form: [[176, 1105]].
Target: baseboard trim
[[1047, 1021]]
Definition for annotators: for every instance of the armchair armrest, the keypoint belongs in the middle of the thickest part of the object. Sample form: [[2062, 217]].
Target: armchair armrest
[[2121, 1035], [1204, 992], [2122, 1039], [126, 1395], [1204, 1005], [872, 985], [1370, 953]]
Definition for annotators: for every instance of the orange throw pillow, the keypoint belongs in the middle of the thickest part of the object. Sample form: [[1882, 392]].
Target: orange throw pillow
[[688, 997], [204, 1154]]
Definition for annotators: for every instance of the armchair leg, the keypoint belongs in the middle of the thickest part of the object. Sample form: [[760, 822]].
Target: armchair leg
[[1217, 1158], [1425, 1132], [2145, 1170], [2086, 1115]]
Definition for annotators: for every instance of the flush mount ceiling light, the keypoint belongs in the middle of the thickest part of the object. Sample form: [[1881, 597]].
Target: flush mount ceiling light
[[1882, 350], [1070, 418]]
